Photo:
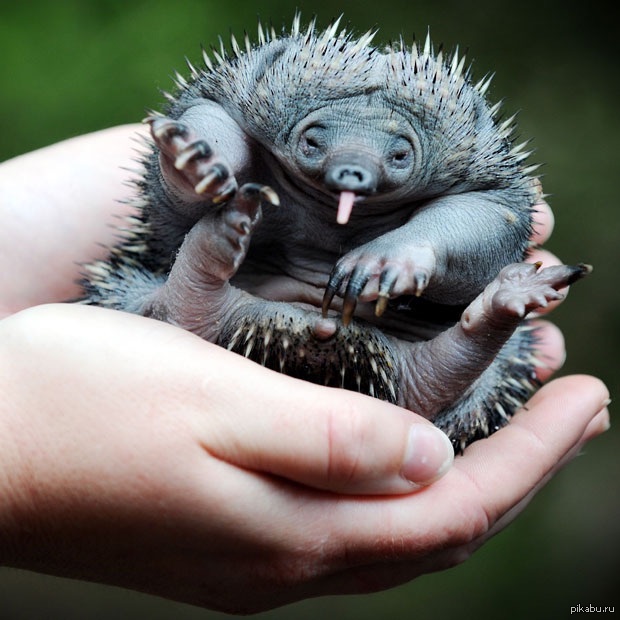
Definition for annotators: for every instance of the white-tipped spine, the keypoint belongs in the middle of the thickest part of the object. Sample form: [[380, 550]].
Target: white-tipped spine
[[483, 85], [260, 34], [179, 80], [428, 46], [295, 26], [195, 73], [207, 60], [218, 57], [235, 46], [507, 127], [333, 28]]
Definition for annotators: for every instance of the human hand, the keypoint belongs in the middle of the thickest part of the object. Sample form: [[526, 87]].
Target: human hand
[[131, 456], [58, 209], [133, 453]]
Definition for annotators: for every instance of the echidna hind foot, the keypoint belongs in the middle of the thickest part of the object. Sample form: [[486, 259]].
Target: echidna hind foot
[[491, 399]]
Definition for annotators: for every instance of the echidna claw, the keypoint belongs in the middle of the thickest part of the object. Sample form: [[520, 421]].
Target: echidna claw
[[218, 174], [270, 196]]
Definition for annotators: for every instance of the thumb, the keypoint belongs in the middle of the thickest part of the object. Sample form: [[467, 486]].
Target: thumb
[[322, 437], [238, 411]]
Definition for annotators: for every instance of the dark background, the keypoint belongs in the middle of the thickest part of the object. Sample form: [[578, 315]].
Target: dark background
[[71, 67]]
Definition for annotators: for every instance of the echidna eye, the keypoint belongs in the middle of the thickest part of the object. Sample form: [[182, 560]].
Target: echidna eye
[[401, 153], [312, 141]]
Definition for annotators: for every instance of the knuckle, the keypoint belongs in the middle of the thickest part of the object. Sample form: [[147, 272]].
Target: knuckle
[[348, 435]]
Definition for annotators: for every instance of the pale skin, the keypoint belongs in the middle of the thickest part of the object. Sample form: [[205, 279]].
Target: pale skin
[[134, 453]]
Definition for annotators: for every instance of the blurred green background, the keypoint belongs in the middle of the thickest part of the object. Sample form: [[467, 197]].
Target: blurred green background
[[70, 67]]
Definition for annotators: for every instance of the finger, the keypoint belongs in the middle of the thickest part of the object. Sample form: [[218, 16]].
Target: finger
[[248, 416], [550, 349], [360, 573], [543, 256], [381, 542], [492, 477], [83, 195], [543, 222], [518, 458], [324, 438], [597, 425]]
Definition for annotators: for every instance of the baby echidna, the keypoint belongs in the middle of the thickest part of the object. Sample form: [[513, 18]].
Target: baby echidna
[[388, 214]]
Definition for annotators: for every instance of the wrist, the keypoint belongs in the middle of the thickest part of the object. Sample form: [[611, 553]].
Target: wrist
[[13, 493], [24, 465]]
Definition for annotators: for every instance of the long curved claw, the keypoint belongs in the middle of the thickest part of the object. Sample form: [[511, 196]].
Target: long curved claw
[[387, 281], [252, 195], [581, 270], [196, 150], [226, 193], [336, 279], [421, 282], [348, 308], [358, 280], [193, 161], [328, 296], [381, 305], [165, 129], [218, 174], [269, 195]]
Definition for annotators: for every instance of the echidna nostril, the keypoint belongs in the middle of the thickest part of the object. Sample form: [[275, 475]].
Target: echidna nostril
[[345, 173], [351, 177]]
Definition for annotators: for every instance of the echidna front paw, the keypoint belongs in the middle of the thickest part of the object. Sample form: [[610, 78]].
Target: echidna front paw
[[189, 163], [524, 287], [379, 271]]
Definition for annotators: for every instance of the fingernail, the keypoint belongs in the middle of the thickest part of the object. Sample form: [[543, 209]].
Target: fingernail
[[598, 425], [605, 422], [603, 414], [429, 454]]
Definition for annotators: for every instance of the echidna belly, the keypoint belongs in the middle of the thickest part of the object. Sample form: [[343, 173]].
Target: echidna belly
[[357, 357]]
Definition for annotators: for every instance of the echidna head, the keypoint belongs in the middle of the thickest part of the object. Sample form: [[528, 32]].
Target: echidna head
[[348, 123], [352, 149]]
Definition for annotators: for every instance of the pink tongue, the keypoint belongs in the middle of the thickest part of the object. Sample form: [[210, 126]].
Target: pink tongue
[[345, 206]]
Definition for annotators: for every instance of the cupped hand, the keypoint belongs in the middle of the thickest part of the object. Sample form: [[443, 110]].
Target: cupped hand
[[134, 453]]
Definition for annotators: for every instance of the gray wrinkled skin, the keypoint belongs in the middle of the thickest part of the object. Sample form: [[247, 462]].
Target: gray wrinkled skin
[[416, 296]]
